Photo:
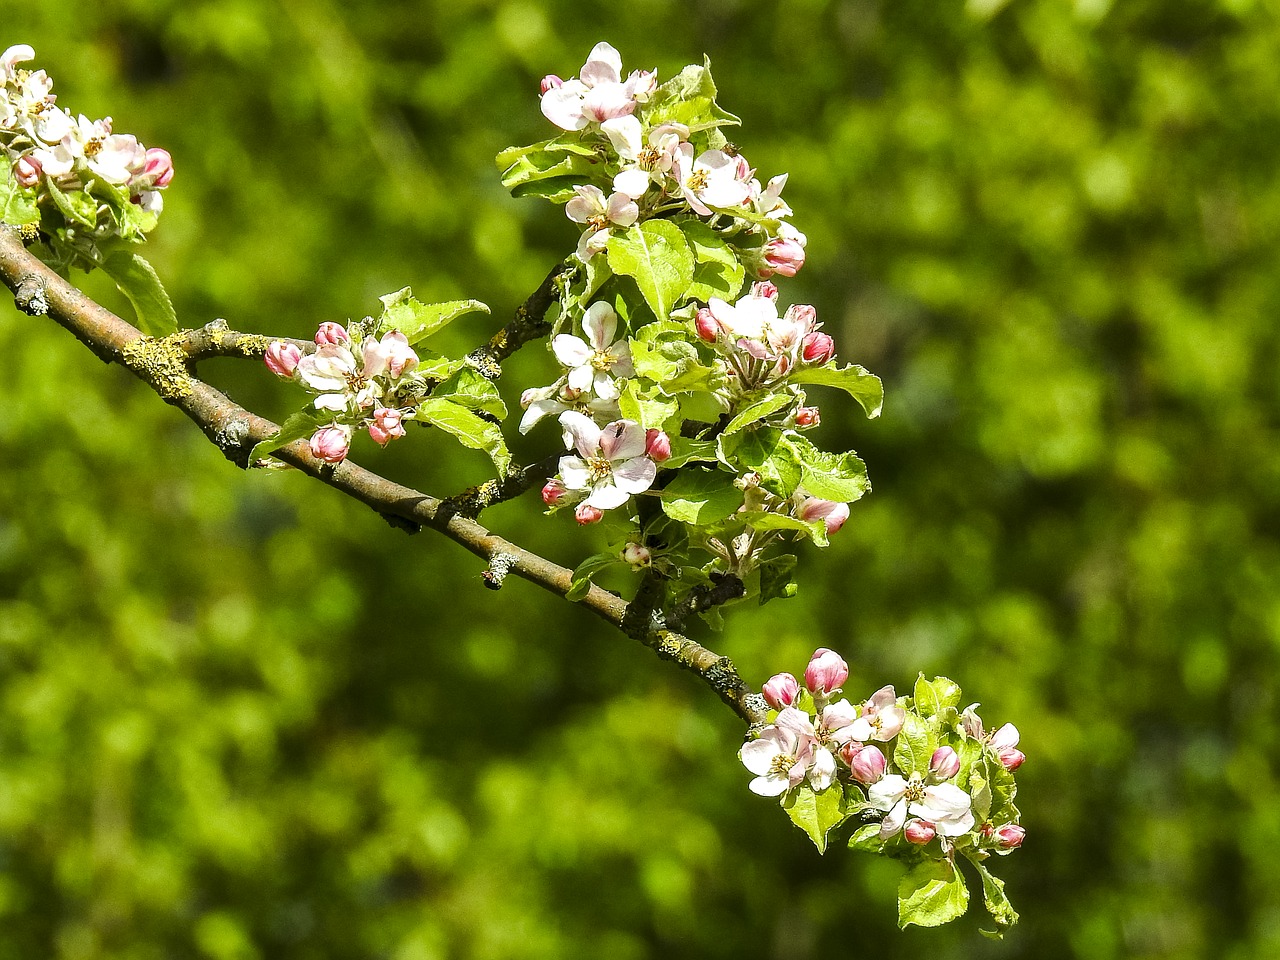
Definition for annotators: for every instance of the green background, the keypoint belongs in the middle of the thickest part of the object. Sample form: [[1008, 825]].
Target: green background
[[241, 717]]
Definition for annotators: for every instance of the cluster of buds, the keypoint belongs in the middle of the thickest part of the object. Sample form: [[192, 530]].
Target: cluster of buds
[[363, 382], [41, 140], [759, 348], [655, 168], [820, 741]]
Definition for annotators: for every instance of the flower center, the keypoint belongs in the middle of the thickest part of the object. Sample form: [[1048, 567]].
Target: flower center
[[598, 222], [602, 361], [915, 790], [93, 147], [599, 468], [781, 765], [697, 181], [648, 158]]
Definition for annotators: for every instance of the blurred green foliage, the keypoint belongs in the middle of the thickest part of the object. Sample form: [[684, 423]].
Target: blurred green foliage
[[242, 718]]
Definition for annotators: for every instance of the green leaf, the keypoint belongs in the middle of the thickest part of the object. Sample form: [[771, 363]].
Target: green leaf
[[300, 425], [763, 451], [832, 476], [757, 410], [994, 897], [854, 380], [77, 206], [470, 389], [932, 893], [689, 98], [717, 270], [587, 570], [656, 255], [777, 579], [933, 696], [568, 161], [469, 429], [866, 838], [17, 203], [648, 411], [815, 530], [138, 281], [416, 320], [817, 814], [701, 497], [915, 746], [683, 450]]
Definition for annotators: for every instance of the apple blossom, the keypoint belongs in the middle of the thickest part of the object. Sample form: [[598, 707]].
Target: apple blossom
[[159, 167], [709, 181], [817, 347], [386, 425], [554, 493], [781, 690], [643, 166], [637, 554], [1004, 742], [880, 718], [540, 402], [825, 674], [784, 255], [1009, 836], [390, 355], [330, 332], [706, 325], [807, 418], [944, 805], [600, 216], [780, 757], [586, 514], [331, 444], [593, 363], [611, 466], [27, 171], [282, 358], [597, 94], [18, 53], [833, 514]]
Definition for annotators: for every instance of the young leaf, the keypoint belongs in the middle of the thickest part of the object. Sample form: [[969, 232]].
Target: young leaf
[[701, 497], [817, 814], [689, 98], [932, 893], [586, 571], [77, 206], [762, 450], [934, 696], [299, 425], [648, 411], [777, 578], [854, 380], [994, 897], [522, 167], [17, 203], [656, 255], [915, 746], [815, 530], [473, 391], [717, 270], [867, 838], [470, 430], [832, 476], [416, 320], [757, 410], [138, 281], [684, 450]]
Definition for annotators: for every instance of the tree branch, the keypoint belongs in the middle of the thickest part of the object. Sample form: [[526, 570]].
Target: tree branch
[[167, 366], [529, 323]]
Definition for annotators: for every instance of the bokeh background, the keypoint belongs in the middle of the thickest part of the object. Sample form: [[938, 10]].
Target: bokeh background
[[242, 718]]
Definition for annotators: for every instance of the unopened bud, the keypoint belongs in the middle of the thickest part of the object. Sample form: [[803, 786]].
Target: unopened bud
[[817, 347], [919, 831], [282, 358], [1009, 836], [331, 444], [781, 690], [637, 554], [803, 315], [551, 82], [866, 763], [584, 513], [944, 764], [1011, 757], [330, 332], [826, 672], [386, 425], [832, 513], [1006, 736], [657, 446], [159, 167], [764, 289], [783, 255], [807, 417], [27, 171], [706, 325], [554, 493]]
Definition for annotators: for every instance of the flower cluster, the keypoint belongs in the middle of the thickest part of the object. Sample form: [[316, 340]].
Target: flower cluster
[[44, 143], [362, 382], [919, 768], [657, 166]]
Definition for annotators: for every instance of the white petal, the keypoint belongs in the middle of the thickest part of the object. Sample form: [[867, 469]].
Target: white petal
[[580, 431], [604, 52], [625, 135], [634, 183], [623, 210], [635, 476], [757, 756], [539, 409], [770, 786], [893, 822], [608, 495], [574, 473], [563, 107], [823, 771], [600, 325], [886, 791], [570, 350], [605, 387], [622, 440], [581, 378]]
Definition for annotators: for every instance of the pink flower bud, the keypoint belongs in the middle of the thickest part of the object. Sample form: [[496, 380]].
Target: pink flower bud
[[783, 255], [1011, 757], [551, 82], [386, 425], [802, 315], [657, 446], [1007, 736], [831, 513], [744, 169], [781, 690], [826, 672], [706, 325], [584, 513], [158, 170], [807, 417], [330, 332], [554, 493], [919, 831], [530, 396], [944, 764], [764, 289], [27, 171], [817, 347], [866, 763], [282, 358], [637, 554], [331, 444], [1009, 836]]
